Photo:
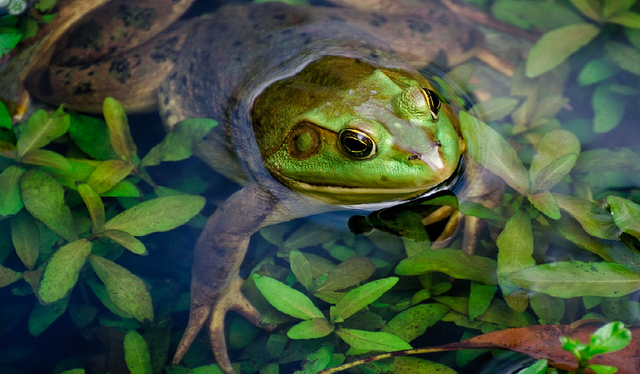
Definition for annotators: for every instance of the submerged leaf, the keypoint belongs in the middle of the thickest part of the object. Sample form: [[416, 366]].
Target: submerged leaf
[[108, 174], [10, 199], [491, 150], [125, 290], [350, 272], [576, 279], [301, 269], [94, 205], [119, 131], [414, 321], [557, 45], [311, 329], [593, 219], [136, 353], [286, 299], [364, 295], [63, 269], [546, 203], [515, 248], [609, 107], [452, 262], [126, 240], [626, 215], [372, 341], [8, 276], [41, 128], [42, 316], [156, 215], [91, 135], [25, 236], [43, 157]]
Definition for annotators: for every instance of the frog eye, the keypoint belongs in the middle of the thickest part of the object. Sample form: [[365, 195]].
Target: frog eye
[[433, 101], [357, 144]]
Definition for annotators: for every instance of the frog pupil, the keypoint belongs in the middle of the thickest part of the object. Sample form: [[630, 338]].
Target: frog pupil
[[356, 144], [433, 101]]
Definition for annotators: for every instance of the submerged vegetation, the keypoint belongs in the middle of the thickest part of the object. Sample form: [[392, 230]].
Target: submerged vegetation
[[78, 207]]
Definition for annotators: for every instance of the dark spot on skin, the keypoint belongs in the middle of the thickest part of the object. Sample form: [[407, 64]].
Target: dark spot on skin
[[279, 16], [438, 143], [474, 38], [112, 50], [84, 67], [66, 80], [184, 80], [286, 32], [173, 75], [165, 50], [440, 59], [237, 43], [175, 1], [413, 157], [419, 26], [336, 18], [384, 178], [83, 88], [374, 55], [167, 114], [166, 100], [87, 35], [192, 68], [377, 20], [91, 73], [136, 17], [238, 59], [120, 69], [59, 71], [44, 84]]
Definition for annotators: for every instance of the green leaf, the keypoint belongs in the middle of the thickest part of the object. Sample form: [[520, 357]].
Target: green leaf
[[101, 293], [124, 188], [10, 198], [9, 38], [634, 36], [25, 236], [311, 329], [74, 371], [626, 18], [609, 338], [557, 45], [63, 269], [603, 160], [539, 14], [414, 321], [317, 361], [45, 5], [43, 197], [8, 150], [490, 149], [614, 6], [539, 367], [602, 369], [626, 215], [43, 157], [82, 314], [156, 215], [42, 316], [592, 218], [590, 8], [41, 128], [136, 354], [91, 135], [179, 143], [364, 295], [286, 299], [94, 205], [108, 174], [546, 203], [609, 108], [494, 109], [626, 57], [301, 269], [498, 311], [8, 276], [452, 262], [372, 341], [126, 240], [350, 272], [515, 246], [480, 297], [119, 132], [594, 71], [125, 290], [551, 174], [470, 208], [554, 145], [577, 279], [549, 310], [5, 117]]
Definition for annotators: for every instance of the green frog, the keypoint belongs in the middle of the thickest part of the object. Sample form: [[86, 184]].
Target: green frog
[[320, 109]]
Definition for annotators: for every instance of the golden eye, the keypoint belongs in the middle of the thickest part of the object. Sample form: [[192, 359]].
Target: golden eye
[[433, 101], [357, 144]]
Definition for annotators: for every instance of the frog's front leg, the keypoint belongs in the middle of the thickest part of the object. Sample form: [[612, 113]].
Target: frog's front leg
[[221, 247]]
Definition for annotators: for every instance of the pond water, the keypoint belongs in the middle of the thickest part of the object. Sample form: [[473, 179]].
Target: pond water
[[560, 246]]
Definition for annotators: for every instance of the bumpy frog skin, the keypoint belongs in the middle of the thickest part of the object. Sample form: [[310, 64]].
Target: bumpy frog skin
[[323, 107]]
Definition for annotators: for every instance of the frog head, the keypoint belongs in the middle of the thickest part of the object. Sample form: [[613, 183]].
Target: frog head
[[347, 132]]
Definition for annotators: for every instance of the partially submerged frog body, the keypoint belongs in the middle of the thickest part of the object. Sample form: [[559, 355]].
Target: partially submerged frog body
[[320, 108]]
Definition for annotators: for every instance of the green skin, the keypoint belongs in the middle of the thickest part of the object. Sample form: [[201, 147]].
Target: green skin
[[289, 81]]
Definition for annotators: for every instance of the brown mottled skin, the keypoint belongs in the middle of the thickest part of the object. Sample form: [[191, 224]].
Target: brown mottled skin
[[214, 67]]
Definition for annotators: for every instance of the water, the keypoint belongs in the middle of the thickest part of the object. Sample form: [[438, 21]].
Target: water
[[90, 336]]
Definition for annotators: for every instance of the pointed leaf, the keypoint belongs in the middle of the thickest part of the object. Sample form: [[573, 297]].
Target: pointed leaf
[[62, 270], [553, 173], [108, 174], [42, 316], [626, 57], [159, 214], [491, 150], [364, 295], [119, 132], [91, 135], [452, 262], [25, 236], [94, 205], [626, 215], [43, 197], [372, 341], [549, 310], [43, 157], [494, 109], [301, 269], [286, 299], [350, 272], [41, 128], [124, 188], [609, 338], [577, 279], [125, 290], [414, 321], [126, 240], [515, 245], [179, 143], [590, 8], [557, 45], [626, 18], [311, 329], [8, 276], [546, 203], [136, 354], [594, 71], [10, 199], [609, 107], [480, 297], [593, 219], [5, 117], [552, 146], [101, 293]]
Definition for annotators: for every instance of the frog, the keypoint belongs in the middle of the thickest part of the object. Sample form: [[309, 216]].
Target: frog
[[320, 109]]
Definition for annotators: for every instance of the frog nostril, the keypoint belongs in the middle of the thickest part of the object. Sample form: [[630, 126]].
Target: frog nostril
[[438, 144], [414, 157]]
